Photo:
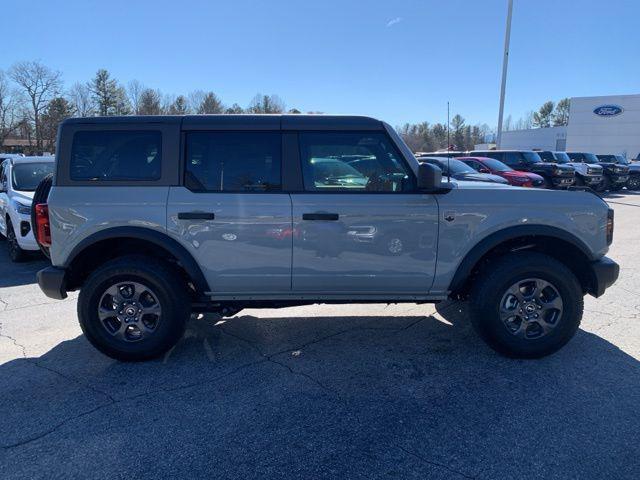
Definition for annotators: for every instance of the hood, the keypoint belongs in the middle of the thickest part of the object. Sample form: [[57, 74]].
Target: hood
[[634, 167], [480, 177], [469, 184], [518, 173], [22, 197], [582, 167]]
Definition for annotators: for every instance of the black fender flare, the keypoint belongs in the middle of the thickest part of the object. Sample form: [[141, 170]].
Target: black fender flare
[[160, 239], [491, 241]]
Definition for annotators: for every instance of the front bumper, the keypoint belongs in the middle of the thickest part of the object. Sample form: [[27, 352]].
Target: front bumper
[[619, 178], [563, 182], [604, 274], [52, 282], [592, 179]]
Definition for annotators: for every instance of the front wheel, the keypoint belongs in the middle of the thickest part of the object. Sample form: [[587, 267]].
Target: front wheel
[[634, 182], [16, 253], [133, 308], [526, 305]]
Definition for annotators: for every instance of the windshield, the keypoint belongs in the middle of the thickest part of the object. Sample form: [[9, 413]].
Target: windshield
[[562, 157], [27, 176], [496, 165], [531, 157], [590, 158], [456, 166], [621, 160], [333, 168], [548, 156]]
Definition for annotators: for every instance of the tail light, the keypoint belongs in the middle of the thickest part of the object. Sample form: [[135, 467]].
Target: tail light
[[43, 229], [610, 226]]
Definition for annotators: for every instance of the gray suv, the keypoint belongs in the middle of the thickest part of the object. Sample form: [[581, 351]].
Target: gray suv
[[155, 218]]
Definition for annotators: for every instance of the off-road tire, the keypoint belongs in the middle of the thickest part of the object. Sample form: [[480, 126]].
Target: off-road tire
[[492, 284], [167, 285], [634, 182], [16, 254]]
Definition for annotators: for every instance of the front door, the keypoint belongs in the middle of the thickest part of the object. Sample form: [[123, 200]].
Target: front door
[[231, 213], [360, 226]]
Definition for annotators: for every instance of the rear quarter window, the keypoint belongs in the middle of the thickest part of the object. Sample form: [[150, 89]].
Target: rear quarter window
[[116, 156]]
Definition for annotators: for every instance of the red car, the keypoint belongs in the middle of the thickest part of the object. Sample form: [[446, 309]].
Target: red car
[[514, 177]]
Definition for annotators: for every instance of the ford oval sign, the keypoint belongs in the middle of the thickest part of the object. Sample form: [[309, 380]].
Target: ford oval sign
[[608, 110]]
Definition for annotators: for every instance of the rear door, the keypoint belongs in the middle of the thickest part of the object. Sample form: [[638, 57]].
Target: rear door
[[360, 231], [4, 198], [231, 213]]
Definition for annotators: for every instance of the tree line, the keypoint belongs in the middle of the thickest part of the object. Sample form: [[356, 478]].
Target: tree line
[[34, 100], [549, 114], [426, 137]]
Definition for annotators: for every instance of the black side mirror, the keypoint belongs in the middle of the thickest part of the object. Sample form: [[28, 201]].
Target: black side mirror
[[429, 177]]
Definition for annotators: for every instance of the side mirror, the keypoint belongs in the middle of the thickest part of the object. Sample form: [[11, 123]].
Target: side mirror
[[429, 177]]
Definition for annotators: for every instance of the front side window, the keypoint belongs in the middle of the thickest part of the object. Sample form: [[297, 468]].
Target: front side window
[[233, 161], [113, 155], [27, 176], [342, 162]]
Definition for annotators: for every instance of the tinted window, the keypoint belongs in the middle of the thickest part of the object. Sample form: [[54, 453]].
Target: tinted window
[[562, 157], [547, 156], [456, 167], [116, 155], [531, 157], [233, 161], [496, 165], [27, 176], [513, 159], [352, 162]]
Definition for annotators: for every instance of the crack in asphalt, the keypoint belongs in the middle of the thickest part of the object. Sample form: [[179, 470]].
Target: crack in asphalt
[[433, 463], [265, 358]]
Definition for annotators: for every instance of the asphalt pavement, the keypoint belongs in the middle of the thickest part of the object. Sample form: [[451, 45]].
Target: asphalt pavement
[[358, 391]]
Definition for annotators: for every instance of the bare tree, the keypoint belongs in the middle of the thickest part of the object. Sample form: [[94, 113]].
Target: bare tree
[[40, 84], [9, 109], [266, 104], [134, 90], [80, 98]]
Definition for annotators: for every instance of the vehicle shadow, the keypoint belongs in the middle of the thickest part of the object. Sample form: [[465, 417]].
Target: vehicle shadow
[[23, 273], [349, 396]]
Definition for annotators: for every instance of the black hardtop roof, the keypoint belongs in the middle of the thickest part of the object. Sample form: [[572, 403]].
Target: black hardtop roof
[[240, 122]]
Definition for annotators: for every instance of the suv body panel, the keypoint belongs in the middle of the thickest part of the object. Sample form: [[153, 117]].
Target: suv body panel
[[256, 246]]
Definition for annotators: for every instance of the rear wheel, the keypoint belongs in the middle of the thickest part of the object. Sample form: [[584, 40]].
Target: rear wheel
[[134, 308], [16, 253], [526, 305]]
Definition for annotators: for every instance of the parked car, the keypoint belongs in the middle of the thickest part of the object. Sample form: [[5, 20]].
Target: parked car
[[153, 218], [19, 177], [445, 153], [615, 176], [587, 174], [496, 167], [461, 171], [555, 176], [634, 169]]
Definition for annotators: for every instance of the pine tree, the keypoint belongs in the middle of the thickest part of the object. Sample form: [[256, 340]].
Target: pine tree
[[561, 113], [542, 118], [149, 102], [104, 90], [211, 104], [179, 106]]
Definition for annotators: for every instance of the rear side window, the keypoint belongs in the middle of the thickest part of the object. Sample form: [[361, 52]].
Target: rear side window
[[111, 155], [233, 161]]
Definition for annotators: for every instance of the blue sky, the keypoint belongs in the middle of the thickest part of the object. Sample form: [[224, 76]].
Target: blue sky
[[398, 60]]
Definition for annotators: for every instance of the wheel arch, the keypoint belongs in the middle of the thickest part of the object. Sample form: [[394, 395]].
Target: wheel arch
[[553, 241], [110, 243]]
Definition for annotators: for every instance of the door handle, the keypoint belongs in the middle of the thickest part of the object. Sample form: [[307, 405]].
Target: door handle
[[196, 216], [320, 216]]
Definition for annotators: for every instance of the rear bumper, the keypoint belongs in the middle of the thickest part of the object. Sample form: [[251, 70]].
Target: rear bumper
[[52, 282], [605, 273]]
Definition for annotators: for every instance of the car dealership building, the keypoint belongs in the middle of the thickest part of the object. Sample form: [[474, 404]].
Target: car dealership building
[[609, 124]]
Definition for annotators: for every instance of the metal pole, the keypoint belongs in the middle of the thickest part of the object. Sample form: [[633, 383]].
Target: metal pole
[[505, 62]]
